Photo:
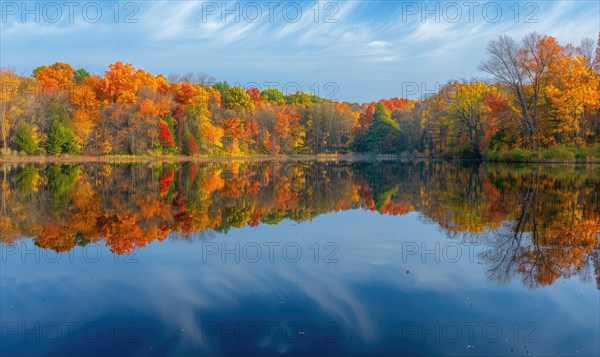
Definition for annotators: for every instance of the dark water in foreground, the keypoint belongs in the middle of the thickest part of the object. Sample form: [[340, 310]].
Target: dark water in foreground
[[300, 259]]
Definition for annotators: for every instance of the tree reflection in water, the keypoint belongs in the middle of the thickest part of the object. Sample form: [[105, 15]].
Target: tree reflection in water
[[540, 223]]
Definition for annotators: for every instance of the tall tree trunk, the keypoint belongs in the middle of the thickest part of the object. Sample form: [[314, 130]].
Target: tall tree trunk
[[3, 124]]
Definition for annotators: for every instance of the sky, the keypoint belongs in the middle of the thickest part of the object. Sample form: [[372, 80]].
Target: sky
[[353, 51]]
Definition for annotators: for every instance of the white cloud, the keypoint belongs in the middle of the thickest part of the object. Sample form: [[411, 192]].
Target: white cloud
[[369, 43]]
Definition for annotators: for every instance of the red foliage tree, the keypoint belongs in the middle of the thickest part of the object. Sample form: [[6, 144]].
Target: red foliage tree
[[165, 134], [192, 145]]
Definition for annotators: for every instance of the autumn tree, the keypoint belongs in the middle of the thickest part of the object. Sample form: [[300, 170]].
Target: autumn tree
[[525, 68], [166, 141], [505, 64], [266, 118], [467, 112], [10, 105], [288, 134], [58, 76], [575, 97], [237, 99], [328, 126], [233, 129], [122, 82], [254, 94], [195, 117], [87, 115], [365, 118]]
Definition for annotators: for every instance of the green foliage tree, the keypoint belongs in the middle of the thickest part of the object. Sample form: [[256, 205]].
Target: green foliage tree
[[272, 95], [80, 74], [383, 135], [222, 87], [36, 70], [61, 183], [26, 139], [302, 98], [61, 138]]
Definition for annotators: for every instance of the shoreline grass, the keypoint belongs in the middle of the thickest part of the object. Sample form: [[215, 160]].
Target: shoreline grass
[[553, 155]]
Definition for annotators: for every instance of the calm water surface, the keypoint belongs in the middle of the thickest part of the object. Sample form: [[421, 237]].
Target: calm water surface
[[299, 258]]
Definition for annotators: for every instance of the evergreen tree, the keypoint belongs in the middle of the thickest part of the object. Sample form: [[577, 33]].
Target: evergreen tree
[[383, 135], [26, 139], [61, 138]]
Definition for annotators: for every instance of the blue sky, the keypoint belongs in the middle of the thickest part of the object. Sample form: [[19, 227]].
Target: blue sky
[[350, 50]]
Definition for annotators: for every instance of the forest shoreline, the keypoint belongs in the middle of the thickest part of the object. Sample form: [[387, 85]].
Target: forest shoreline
[[349, 157], [177, 158]]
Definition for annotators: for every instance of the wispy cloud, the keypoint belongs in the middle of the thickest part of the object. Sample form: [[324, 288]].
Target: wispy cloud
[[368, 48]]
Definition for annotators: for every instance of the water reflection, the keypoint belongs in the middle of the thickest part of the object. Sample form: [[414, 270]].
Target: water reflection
[[540, 223], [299, 258]]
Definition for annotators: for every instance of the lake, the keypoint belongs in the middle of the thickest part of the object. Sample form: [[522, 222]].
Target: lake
[[300, 258]]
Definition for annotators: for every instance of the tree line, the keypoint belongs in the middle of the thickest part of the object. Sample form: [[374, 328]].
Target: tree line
[[542, 98]]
